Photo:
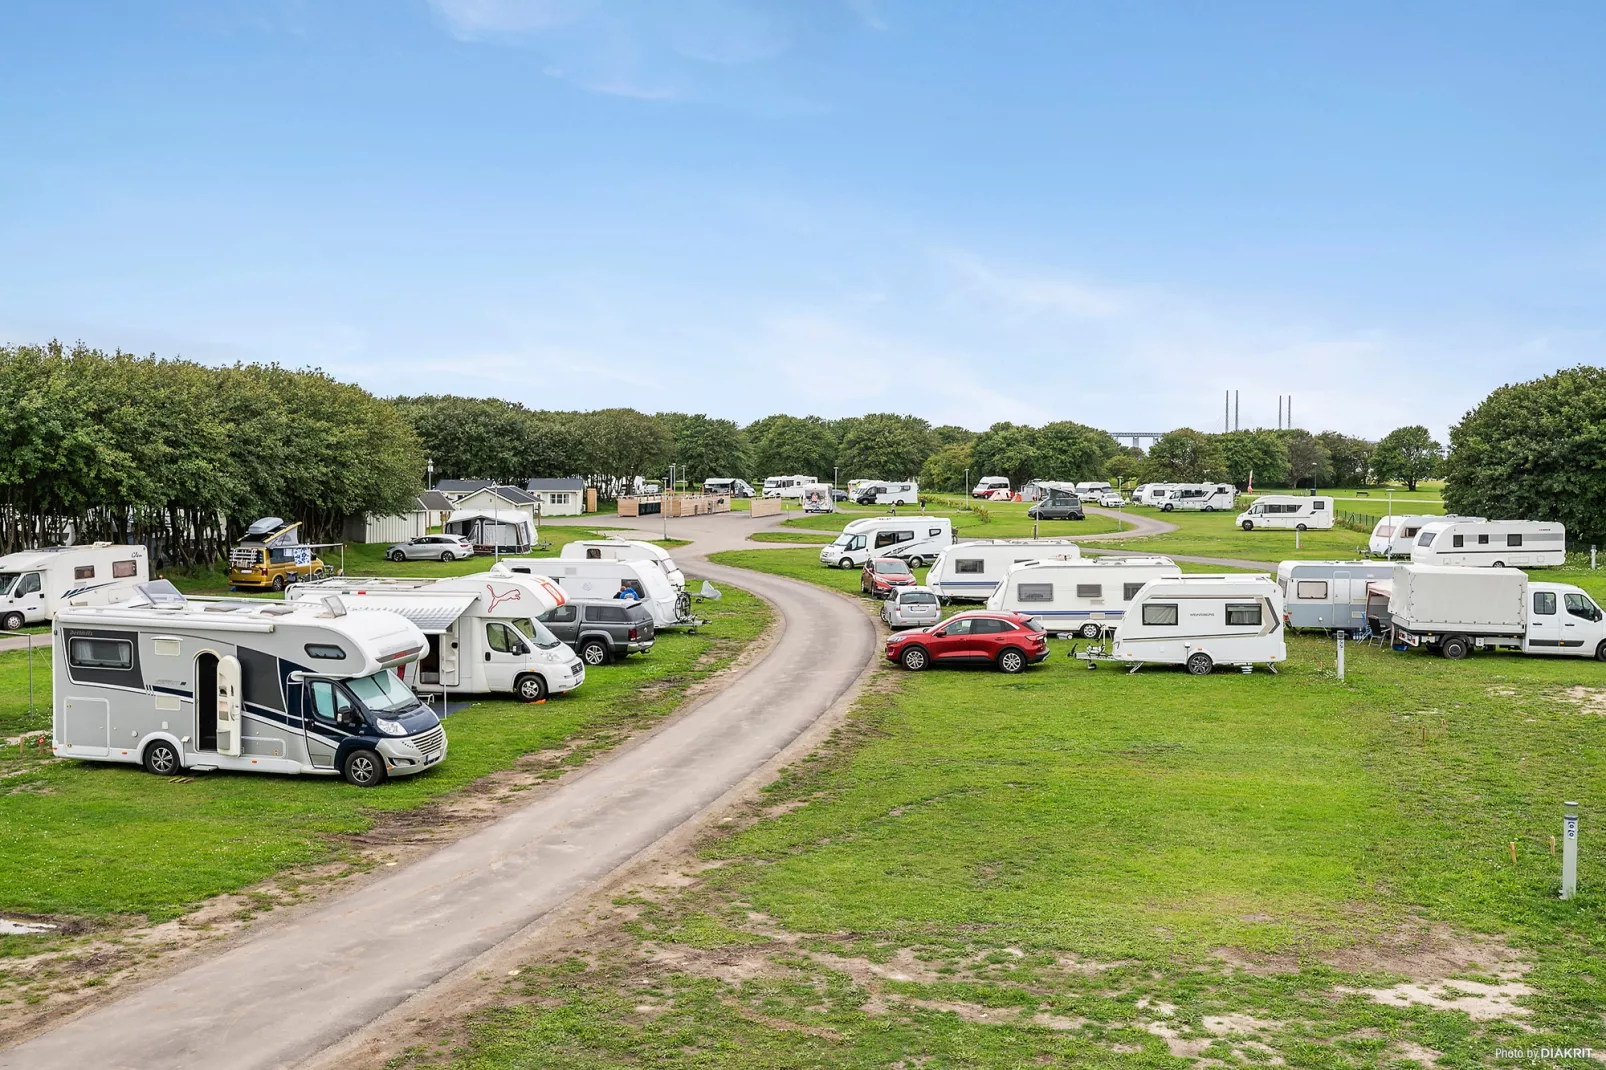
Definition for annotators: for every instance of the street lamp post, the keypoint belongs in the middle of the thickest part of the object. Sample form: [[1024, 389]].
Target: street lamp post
[[966, 488], [429, 474]]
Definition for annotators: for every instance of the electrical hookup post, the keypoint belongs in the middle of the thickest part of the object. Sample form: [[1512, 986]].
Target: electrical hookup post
[[1569, 850], [1338, 660]]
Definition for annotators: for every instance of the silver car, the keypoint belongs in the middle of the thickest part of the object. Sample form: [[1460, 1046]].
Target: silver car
[[911, 607], [432, 548]]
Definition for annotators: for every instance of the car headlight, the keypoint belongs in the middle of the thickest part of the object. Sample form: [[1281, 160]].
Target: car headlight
[[390, 728]]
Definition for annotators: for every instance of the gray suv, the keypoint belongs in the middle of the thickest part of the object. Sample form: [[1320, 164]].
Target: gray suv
[[602, 630]]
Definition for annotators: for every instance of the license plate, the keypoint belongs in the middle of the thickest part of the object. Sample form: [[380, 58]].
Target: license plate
[[432, 757]]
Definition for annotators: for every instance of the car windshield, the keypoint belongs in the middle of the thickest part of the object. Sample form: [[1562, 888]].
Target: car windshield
[[6, 580], [383, 692], [537, 633], [892, 568], [918, 598]]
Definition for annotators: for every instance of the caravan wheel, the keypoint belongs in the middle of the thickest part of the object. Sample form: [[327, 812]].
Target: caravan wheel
[[1200, 664], [161, 758], [1091, 630]]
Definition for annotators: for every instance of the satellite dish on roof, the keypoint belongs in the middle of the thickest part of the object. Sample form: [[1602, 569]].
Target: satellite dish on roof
[[265, 525]]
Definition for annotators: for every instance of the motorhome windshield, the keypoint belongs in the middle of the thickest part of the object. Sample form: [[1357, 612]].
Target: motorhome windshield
[[382, 692], [6, 580], [849, 542], [537, 633]]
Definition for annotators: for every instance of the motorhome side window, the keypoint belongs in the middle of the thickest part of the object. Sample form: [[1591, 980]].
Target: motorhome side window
[[885, 538], [329, 704], [85, 653], [1483, 540], [933, 532], [969, 565], [1318, 505], [29, 585], [501, 638], [325, 652], [122, 570], [1310, 589], [1244, 614], [1545, 603], [1159, 613], [1130, 591], [83, 572], [1035, 592]]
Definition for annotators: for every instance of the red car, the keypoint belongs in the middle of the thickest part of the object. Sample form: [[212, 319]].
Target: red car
[[1007, 640], [882, 574]]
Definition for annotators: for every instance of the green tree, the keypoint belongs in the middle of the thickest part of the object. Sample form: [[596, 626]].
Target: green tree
[[624, 444], [1349, 459], [1072, 452], [707, 447], [1307, 459], [1535, 450], [945, 469], [791, 445], [1407, 454], [952, 435], [884, 446], [1185, 456], [1260, 453], [1005, 449]]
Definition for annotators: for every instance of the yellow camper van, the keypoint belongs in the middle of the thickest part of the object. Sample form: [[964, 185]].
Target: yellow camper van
[[271, 556]]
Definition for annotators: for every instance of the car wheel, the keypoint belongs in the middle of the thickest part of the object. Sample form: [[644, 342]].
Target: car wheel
[[12, 622], [1012, 661], [1166, 508], [446, 557], [1200, 664], [594, 652], [161, 758], [530, 687], [396, 555], [1078, 516], [1248, 525], [278, 583], [1299, 527], [1091, 630], [915, 658], [364, 768], [1455, 648]]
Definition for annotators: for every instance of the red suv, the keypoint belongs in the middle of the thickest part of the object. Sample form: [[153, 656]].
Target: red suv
[[1007, 640], [882, 574]]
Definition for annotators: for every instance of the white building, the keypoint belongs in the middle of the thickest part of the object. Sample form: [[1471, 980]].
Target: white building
[[559, 497]]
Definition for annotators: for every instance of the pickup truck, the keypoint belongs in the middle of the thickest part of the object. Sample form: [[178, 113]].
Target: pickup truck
[[1456, 610], [600, 630]]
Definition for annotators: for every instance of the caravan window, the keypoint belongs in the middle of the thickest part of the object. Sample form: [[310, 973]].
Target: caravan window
[[1310, 589], [122, 570], [83, 572], [1243, 614], [1426, 539], [1318, 505], [1034, 592], [83, 653], [1130, 591], [1160, 613], [325, 651], [1545, 603], [1456, 540], [1513, 540], [885, 538], [933, 532], [971, 565], [1483, 540], [1090, 590]]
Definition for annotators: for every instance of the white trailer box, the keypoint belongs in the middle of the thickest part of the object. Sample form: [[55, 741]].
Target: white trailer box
[[35, 584], [1297, 511], [1202, 621], [1490, 543], [915, 539], [625, 550], [1086, 597], [971, 569]]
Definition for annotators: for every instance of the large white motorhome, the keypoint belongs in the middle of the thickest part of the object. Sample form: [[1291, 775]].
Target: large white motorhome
[[1085, 597], [1297, 511], [970, 570], [35, 584], [1201, 621], [787, 486], [817, 498], [246, 685], [728, 486], [587, 578], [1395, 535], [988, 485], [1490, 543], [1328, 594], [888, 493], [915, 539], [625, 550], [482, 630], [1198, 497], [1092, 492], [1455, 610]]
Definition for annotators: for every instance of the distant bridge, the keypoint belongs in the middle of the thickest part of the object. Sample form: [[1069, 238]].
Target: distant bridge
[[1135, 436]]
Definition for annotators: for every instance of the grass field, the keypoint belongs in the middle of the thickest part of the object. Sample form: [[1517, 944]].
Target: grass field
[[1215, 535], [1080, 868]]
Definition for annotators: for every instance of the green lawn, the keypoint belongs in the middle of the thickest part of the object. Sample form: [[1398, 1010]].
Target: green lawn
[[1079, 868], [93, 839], [1215, 535]]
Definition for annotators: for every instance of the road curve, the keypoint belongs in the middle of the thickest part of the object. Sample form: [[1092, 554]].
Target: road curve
[[295, 989]]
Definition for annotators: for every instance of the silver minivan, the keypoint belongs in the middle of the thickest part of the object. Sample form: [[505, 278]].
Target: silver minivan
[[911, 607]]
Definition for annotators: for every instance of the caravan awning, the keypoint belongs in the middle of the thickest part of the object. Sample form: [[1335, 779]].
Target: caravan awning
[[433, 614]]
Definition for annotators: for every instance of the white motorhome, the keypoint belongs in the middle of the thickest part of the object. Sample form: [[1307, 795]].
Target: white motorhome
[[246, 685], [916, 539], [1085, 597], [625, 550], [1490, 543], [884, 493], [1297, 511], [482, 630], [988, 485], [1395, 535], [729, 487], [588, 578], [970, 570], [35, 584], [787, 486], [1455, 610], [1201, 621], [1198, 497], [1092, 492], [1328, 594], [817, 498]]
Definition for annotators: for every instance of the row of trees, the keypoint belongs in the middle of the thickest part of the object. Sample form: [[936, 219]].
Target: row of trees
[[1286, 458], [180, 456]]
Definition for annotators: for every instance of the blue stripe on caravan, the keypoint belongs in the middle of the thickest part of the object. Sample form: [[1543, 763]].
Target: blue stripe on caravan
[[1107, 614]]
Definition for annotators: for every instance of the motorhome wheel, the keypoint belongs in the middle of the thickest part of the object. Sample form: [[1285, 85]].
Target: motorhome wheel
[[915, 658], [1455, 648], [845, 562], [365, 768], [1249, 525], [593, 652], [530, 687], [1200, 664], [1166, 508], [1090, 630], [1299, 527], [917, 562], [161, 758], [12, 622], [1011, 661]]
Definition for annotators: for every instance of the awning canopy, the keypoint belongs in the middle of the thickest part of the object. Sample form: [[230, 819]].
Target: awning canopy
[[433, 614]]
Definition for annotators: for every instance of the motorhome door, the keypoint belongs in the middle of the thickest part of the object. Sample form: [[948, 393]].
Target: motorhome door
[[228, 705], [326, 716]]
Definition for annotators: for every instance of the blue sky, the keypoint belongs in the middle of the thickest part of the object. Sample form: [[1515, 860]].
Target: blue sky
[[1108, 212]]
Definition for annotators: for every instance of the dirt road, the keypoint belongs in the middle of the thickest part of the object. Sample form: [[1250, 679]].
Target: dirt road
[[297, 988]]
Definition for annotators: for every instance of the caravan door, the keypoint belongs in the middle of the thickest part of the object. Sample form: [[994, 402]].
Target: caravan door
[[228, 705]]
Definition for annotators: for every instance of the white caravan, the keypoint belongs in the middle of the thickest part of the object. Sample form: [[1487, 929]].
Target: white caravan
[[916, 539], [987, 485], [787, 486], [1092, 492], [1455, 610], [36, 584], [1150, 493], [817, 498], [248, 685], [625, 550], [1201, 621], [1085, 597], [884, 493], [729, 487], [586, 578], [1198, 497], [1296, 511], [970, 570], [1395, 535], [482, 630], [1328, 594], [1491, 543]]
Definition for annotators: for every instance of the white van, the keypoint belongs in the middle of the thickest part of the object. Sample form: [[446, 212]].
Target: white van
[[35, 584], [986, 487], [970, 570], [728, 486], [915, 539], [787, 486], [1198, 497], [1455, 610], [1201, 621], [879, 493], [1486, 543], [1092, 492], [1085, 597], [1300, 512], [587, 578], [482, 630], [625, 550]]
